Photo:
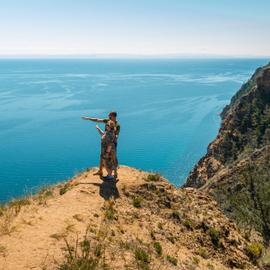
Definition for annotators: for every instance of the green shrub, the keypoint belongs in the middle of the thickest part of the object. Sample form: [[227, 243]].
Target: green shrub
[[98, 250], [80, 257], [65, 188], [254, 251], [137, 202], [171, 239], [158, 248], [176, 215], [188, 224], [160, 226], [80, 263], [46, 191], [142, 258], [141, 255], [196, 260], [202, 252], [154, 177], [172, 260], [215, 236]]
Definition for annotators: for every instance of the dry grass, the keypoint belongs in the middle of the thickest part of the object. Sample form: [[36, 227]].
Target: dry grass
[[109, 210], [17, 204], [6, 222], [3, 250], [8, 213], [44, 194]]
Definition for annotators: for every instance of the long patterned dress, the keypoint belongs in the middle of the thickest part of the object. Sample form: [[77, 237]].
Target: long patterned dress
[[109, 159]]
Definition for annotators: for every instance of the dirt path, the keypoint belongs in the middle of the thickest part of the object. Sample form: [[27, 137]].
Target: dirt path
[[34, 240]]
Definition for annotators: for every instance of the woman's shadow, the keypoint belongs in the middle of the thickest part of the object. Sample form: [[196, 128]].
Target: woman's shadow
[[107, 189]]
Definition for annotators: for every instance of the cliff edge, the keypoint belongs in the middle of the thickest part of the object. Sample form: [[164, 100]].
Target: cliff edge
[[143, 222]]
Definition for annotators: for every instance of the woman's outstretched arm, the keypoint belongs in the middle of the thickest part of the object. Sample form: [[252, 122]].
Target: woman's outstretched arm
[[93, 119]]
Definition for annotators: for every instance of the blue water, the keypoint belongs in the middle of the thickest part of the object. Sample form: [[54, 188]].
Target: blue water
[[168, 110]]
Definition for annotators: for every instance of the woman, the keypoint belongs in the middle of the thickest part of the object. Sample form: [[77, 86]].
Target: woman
[[108, 153]]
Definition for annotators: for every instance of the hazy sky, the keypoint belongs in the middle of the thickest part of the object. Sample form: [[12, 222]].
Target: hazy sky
[[60, 27]]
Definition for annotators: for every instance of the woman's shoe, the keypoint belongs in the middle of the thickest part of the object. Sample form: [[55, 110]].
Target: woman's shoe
[[108, 177]]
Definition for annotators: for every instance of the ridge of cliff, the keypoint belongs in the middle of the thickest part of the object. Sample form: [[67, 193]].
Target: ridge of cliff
[[142, 222]]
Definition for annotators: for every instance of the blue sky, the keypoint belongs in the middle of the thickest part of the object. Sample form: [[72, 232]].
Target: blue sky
[[139, 27]]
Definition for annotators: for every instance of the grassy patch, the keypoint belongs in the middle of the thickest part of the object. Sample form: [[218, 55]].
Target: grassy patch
[[171, 239], [98, 250], [110, 212], [65, 189], [81, 256], [196, 260], [6, 221], [17, 204], [215, 236], [176, 215], [3, 249], [125, 245], [44, 194], [158, 248], [254, 251], [137, 202], [153, 177], [188, 224], [210, 266], [172, 260], [142, 258], [203, 252], [264, 261]]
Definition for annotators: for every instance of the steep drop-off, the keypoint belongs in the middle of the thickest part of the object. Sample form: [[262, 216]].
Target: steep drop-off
[[236, 168]]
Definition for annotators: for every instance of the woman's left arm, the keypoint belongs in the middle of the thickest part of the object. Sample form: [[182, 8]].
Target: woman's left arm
[[100, 131]]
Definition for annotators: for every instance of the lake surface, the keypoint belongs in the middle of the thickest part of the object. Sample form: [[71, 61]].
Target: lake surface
[[168, 110]]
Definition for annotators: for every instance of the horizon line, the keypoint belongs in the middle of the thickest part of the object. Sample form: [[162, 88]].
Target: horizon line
[[127, 55]]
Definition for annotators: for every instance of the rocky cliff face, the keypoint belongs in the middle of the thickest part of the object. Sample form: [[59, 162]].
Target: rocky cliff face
[[236, 168]]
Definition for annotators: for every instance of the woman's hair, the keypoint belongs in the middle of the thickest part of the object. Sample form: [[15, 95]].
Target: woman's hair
[[113, 114], [111, 124]]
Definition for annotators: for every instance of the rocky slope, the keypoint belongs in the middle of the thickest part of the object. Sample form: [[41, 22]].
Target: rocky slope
[[236, 168], [245, 127], [143, 222]]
